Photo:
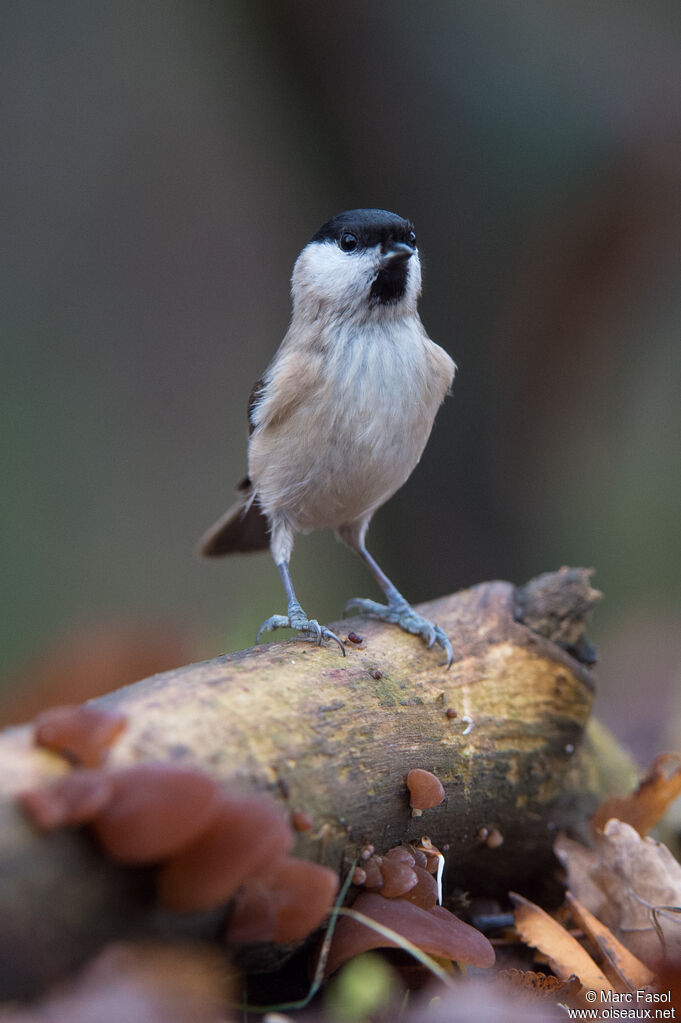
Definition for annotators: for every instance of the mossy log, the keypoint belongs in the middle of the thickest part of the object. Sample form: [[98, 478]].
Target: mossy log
[[503, 729]]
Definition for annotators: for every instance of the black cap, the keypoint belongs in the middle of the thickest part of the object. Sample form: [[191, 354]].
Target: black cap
[[370, 228]]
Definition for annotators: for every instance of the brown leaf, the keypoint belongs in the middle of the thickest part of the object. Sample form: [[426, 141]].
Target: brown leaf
[[643, 808], [476, 1001], [579, 862], [631, 971], [564, 953], [633, 885], [543, 985]]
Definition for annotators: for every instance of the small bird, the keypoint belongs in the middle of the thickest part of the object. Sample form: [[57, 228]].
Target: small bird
[[342, 414]]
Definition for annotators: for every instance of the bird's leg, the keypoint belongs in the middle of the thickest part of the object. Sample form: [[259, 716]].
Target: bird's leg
[[397, 609], [296, 617]]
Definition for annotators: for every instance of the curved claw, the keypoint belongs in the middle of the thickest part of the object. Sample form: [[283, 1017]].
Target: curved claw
[[309, 627], [312, 627], [328, 634], [408, 619], [442, 640], [272, 623]]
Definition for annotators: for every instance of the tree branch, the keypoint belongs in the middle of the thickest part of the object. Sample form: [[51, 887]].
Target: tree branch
[[333, 737]]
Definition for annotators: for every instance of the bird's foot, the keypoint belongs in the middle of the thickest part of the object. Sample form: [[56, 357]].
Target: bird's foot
[[402, 614], [296, 619]]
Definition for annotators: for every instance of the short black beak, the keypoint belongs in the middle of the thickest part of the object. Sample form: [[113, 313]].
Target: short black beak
[[399, 252]]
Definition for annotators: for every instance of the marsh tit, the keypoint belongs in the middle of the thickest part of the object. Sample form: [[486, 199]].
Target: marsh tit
[[341, 416]]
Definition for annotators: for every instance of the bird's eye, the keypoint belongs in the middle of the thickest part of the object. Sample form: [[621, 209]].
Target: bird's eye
[[348, 242], [412, 238]]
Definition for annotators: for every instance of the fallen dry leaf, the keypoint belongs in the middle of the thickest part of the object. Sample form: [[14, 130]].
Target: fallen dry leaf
[[644, 807], [474, 1001], [542, 985], [669, 979], [631, 972], [633, 886], [564, 953], [579, 862]]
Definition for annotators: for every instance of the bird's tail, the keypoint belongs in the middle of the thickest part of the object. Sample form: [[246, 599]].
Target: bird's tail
[[242, 528]]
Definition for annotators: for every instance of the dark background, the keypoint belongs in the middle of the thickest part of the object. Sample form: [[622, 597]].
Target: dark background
[[163, 165]]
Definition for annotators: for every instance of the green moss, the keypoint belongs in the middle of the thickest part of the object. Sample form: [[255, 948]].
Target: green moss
[[388, 692]]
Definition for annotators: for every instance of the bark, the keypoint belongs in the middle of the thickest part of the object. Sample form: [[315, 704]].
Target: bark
[[334, 737]]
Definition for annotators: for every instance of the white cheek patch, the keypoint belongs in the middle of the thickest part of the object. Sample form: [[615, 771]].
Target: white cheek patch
[[324, 276], [413, 279], [327, 274]]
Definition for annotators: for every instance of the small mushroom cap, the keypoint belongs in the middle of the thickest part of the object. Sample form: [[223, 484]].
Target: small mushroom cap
[[82, 734], [373, 872], [436, 931], [425, 789], [254, 914], [248, 835], [156, 810], [494, 839], [424, 892], [420, 858], [400, 852], [305, 893], [283, 905], [398, 878], [75, 799]]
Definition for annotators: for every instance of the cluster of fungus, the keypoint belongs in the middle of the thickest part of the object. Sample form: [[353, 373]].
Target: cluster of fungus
[[406, 871], [209, 846], [402, 894]]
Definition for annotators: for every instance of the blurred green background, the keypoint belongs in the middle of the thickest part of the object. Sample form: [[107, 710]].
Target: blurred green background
[[163, 165]]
